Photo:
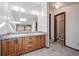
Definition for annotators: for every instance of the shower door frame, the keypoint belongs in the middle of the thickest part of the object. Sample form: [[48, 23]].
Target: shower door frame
[[55, 27]]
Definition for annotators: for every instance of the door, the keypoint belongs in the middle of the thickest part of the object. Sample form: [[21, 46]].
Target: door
[[59, 27], [49, 26]]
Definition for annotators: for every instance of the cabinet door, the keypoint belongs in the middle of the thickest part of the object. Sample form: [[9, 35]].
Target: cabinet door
[[11, 47], [4, 47], [37, 42], [0, 48], [42, 41], [25, 44], [19, 46]]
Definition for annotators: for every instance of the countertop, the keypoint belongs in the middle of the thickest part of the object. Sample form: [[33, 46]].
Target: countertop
[[22, 34]]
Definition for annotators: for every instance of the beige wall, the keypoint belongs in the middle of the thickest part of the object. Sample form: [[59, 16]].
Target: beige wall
[[72, 22]]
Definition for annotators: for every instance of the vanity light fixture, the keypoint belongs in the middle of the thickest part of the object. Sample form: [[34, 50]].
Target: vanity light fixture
[[35, 13], [18, 9], [23, 19]]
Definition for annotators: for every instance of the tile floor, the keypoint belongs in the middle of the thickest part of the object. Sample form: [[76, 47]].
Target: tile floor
[[56, 49]]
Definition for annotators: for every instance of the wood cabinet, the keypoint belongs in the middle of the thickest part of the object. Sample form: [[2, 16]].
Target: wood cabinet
[[11, 47], [8, 47], [29, 43], [4, 47], [42, 41], [21, 45], [37, 42], [0, 47]]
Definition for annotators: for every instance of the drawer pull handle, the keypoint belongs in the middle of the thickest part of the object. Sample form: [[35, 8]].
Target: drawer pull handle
[[30, 46], [30, 42]]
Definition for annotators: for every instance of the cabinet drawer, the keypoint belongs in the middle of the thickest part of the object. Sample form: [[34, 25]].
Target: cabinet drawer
[[31, 37], [30, 47], [30, 40]]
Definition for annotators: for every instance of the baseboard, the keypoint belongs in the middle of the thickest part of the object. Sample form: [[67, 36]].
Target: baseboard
[[47, 47], [72, 48]]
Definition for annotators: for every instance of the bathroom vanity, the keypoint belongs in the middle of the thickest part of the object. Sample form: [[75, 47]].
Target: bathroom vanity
[[17, 44], [22, 29]]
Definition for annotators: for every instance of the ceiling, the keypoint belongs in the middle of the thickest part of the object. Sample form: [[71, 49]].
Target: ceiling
[[27, 5], [62, 4]]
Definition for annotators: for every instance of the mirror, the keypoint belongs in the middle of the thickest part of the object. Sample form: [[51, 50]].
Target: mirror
[[17, 14], [3, 18]]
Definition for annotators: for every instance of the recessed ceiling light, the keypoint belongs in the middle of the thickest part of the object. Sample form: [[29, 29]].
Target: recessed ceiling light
[[23, 19], [57, 5]]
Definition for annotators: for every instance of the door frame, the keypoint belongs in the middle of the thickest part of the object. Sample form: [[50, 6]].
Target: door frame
[[55, 26], [49, 26]]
